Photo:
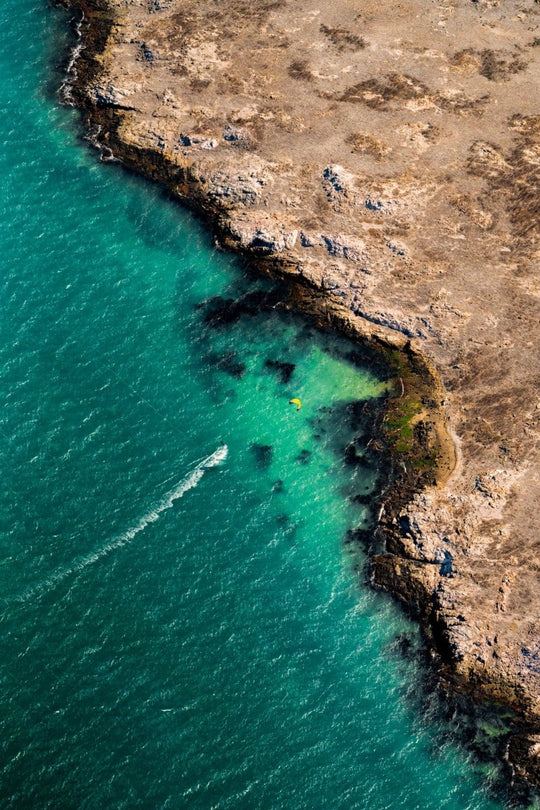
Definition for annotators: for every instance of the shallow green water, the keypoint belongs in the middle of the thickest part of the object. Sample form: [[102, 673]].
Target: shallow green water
[[182, 625]]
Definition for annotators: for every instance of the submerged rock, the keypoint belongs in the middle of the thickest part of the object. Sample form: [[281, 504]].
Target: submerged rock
[[228, 363], [362, 537], [263, 454], [362, 500], [285, 370], [219, 311], [354, 454]]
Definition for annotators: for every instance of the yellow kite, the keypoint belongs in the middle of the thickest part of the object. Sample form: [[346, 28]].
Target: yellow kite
[[296, 402]]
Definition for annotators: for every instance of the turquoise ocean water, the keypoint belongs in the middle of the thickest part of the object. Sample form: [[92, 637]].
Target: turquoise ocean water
[[181, 623]]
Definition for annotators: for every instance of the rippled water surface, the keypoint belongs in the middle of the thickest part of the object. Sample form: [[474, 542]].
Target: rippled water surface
[[182, 624]]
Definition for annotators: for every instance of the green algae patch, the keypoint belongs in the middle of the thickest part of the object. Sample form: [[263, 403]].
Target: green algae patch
[[414, 427], [400, 423]]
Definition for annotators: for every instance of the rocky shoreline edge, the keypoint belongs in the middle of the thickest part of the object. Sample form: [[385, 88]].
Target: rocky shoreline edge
[[412, 432]]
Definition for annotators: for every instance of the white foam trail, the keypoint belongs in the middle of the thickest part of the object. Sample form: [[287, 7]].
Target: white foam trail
[[126, 537], [65, 92]]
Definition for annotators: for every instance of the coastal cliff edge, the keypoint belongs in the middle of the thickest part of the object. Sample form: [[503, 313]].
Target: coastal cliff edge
[[383, 160]]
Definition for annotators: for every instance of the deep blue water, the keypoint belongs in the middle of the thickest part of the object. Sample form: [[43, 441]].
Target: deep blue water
[[182, 624]]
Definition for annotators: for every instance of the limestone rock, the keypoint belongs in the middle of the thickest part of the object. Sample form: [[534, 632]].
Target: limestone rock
[[262, 236]]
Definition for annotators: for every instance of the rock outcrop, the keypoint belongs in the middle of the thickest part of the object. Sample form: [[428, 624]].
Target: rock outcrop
[[384, 159]]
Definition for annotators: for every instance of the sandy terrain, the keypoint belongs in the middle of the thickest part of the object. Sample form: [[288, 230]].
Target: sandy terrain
[[385, 157]]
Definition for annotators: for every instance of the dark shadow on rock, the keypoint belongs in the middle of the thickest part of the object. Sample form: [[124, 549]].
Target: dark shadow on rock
[[446, 565]]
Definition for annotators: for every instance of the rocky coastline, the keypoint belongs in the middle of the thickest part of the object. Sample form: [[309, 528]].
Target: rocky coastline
[[359, 174]]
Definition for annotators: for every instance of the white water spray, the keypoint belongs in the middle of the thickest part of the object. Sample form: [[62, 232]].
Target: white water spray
[[126, 537]]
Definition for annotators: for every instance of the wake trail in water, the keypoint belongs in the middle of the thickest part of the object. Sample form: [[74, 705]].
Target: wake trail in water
[[126, 537]]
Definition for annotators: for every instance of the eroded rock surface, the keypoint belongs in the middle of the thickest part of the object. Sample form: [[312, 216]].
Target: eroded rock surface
[[385, 156]]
